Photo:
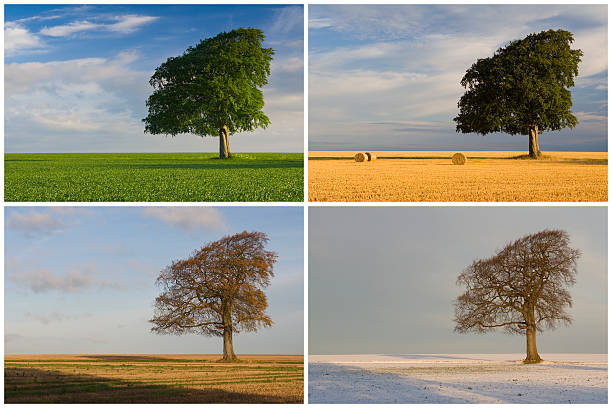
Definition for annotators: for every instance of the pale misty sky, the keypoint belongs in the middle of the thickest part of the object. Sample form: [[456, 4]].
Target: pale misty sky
[[76, 77], [382, 279], [387, 77], [82, 280]]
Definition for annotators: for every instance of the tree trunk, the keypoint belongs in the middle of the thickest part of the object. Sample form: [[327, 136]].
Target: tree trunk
[[532, 350], [224, 151], [534, 143], [228, 345]]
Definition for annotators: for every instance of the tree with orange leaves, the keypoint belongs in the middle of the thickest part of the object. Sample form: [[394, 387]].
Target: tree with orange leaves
[[217, 291]]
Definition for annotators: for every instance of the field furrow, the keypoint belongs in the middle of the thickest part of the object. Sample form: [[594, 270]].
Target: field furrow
[[142, 379]]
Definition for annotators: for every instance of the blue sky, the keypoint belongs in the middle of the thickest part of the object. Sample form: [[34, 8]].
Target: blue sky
[[382, 279], [387, 77], [76, 77], [81, 279]]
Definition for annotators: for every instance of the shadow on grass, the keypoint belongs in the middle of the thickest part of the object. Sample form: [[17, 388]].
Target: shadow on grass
[[131, 358], [552, 159], [30, 385]]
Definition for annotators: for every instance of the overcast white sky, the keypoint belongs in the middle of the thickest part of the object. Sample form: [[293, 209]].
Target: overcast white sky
[[382, 279], [387, 77]]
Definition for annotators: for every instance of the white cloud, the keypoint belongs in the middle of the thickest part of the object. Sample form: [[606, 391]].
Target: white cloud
[[102, 99], [70, 210], [279, 101], [188, 218], [130, 23], [594, 45], [360, 82], [17, 39], [38, 18], [322, 22], [586, 116], [29, 76], [291, 64], [67, 29], [34, 223], [404, 63], [125, 24], [78, 278]]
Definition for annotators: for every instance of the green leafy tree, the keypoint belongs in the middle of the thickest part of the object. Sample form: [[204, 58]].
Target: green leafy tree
[[212, 89], [522, 88]]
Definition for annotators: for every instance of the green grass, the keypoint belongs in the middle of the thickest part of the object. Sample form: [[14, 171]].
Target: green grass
[[153, 177]]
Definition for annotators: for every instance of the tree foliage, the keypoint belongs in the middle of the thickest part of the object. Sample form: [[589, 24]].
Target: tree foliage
[[522, 85], [212, 85], [218, 290], [522, 289]]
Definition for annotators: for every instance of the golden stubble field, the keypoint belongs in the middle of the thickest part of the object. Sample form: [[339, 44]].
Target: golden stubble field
[[430, 176], [175, 378]]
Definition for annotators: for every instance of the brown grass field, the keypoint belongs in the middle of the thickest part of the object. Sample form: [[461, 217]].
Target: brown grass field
[[430, 176], [159, 378]]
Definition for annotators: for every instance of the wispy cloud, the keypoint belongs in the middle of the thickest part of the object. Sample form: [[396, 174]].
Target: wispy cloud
[[19, 39], [585, 117], [70, 210], [34, 223], [188, 218], [76, 279], [54, 317], [291, 64], [288, 19], [123, 24], [321, 22]]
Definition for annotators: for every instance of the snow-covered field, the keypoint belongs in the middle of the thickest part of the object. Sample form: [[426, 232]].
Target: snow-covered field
[[457, 378]]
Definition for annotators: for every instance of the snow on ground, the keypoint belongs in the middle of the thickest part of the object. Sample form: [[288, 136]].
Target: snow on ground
[[457, 378]]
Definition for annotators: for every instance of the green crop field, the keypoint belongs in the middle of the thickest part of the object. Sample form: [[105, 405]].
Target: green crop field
[[153, 177]]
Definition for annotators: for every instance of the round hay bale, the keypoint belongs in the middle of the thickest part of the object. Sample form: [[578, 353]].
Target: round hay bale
[[459, 158], [360, 157], [371, 156]]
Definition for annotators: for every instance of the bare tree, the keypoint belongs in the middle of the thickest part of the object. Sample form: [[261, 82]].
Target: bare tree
[[522, 289], [217, 291]]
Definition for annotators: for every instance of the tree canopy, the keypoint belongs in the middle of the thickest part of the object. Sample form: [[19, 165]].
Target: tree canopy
[[218, 290], [523, 288], [522, 88], [213, 88]]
